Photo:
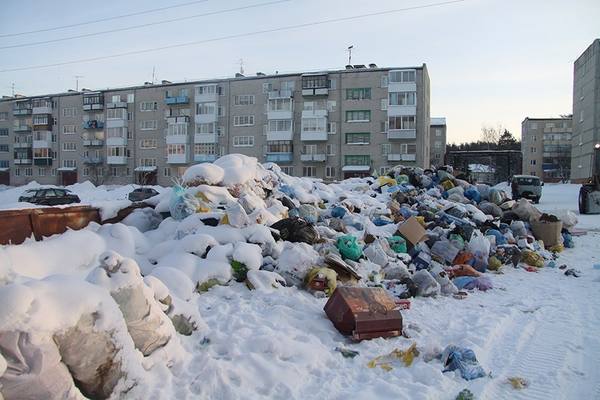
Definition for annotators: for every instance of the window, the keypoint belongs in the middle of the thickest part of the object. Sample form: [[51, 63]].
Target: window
[[116, 132], [205, 148], [358, 116], [205, 128], [316, 105], [358, 94], [18, 172], [386, 148], [332, 83], [116, 98], [331, 128], [42, 171], [314, 124], [358, 160], [86, 172], [42, 119], [69, 146], [130, 97], [402, 76], [180, 128], [309, 171], [116, 113], [331, 105], [69, 163], [4, 148], [384, 81], [3, 131], [358, 138], [243, 141], [549, 125], [174, 149], [280, 146], [3, 163], [206, 108], [403, 98], [147, 162], [148, 106], [148, 144], [28, 171], [129, 116], [330, 149], [115, 151], [149, 125], [309, 149], [581, 116], [314, 82], [243, 100], [404, 122], [69, 129], [114, 171], [267, 87], [437, 144], [53, 171], [438, 132], [287, 85], [533, 125], [384, 104], [243, 120], [383, 170], [329, 172], [3, 116], [532, 162], [280, 125], [206, 89], [69, 112], [280, 105], [167, 172]]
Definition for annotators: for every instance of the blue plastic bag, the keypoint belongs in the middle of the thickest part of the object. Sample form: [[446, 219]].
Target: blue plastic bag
[[338, 212], [464, 360], [473, 194], [182, 204]]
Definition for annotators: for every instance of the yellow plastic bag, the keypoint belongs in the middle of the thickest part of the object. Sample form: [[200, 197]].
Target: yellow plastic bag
[[447, 184], [327, 273], [406, 356], [386, 180]]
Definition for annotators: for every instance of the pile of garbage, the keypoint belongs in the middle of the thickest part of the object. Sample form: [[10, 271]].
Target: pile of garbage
[[409, 233]]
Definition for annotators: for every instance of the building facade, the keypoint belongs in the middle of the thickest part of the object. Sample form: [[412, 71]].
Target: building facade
[[586, 112], [329, 125], [546, 147], [437, 144]]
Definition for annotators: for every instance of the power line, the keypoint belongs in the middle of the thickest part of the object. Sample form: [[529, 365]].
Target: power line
[[234, 36], [128, 28], [104, 19]]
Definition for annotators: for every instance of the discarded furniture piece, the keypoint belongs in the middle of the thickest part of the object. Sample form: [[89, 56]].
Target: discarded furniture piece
[[364, 313]]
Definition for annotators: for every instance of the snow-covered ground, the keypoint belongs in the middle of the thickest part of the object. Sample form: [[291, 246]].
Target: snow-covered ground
[[542, 326]]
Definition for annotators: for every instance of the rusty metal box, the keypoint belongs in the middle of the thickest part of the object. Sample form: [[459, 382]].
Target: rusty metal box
[[364, 313]]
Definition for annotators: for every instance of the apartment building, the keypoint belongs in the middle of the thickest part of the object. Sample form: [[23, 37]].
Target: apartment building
[[437, 144], [546, 147], [586, 112], [329, 124]]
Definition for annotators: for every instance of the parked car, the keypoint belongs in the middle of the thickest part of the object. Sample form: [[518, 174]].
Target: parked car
[[49, 196], [527, 186], [141, 194]]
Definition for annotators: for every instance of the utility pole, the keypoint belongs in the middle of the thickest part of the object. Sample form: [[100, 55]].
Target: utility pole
[[241, 62], [350, 54], [77, 82], [13, 89], [153, 73]]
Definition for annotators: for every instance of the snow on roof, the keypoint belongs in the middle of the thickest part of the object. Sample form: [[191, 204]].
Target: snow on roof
[[66, 169], [356, 168], [144, 169], [481, 168], [437, 121]]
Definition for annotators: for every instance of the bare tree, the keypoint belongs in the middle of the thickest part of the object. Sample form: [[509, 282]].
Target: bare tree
[[490, 134], [98, 175]]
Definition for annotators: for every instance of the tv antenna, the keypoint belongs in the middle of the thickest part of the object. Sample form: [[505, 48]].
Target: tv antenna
[[349, 50], [241, 62], [153, 73], [77, 82]]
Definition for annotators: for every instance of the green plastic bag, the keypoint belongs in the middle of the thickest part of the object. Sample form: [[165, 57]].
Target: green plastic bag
[[402, 179], [457, 241], [349, 248], [397, 243]]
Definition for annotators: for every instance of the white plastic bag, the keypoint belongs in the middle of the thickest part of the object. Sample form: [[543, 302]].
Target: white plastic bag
[[480, 247], [426, 284]]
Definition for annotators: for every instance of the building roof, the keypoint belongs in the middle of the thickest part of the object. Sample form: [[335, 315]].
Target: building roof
[[437, 121], [548, 119]]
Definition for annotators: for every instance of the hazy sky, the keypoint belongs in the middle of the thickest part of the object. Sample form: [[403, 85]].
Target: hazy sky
[[490, 61]]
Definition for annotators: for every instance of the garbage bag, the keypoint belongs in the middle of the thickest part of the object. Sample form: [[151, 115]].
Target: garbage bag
[[338, 212], [568, 218], [426, 284], [296, 230], [496, 196], [473, 194], [236, 215], [479, 246], [348, 247], [396, 270], [444, 250], [326, 277], [462, 359], [397, 243], [34, 369], [440, 275], [490, 209], [526, 211], [376, 254], [306, 212], [498, 236], [457, 241], [567, 239], [482, 283], [463, 270], [518, 229], [182, 204], [532, 258]]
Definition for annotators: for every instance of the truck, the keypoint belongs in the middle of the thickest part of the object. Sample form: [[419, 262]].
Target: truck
[[589, 193]]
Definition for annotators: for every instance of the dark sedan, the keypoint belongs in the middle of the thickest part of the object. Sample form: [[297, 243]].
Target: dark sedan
[[141, 194], [49, 197]]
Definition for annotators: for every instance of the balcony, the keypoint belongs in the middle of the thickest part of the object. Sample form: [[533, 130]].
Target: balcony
[[116, 141], [402, 134], [21, 111], [280, 157], [205, 118], [93, 124], [280, 114], [92, 160], [22, 129], [205, 157], [116, 160], [42, 140], [93, 106], [25, 145], [396, 111], [177, 139], [42, 110], [315, 92], [207, 95], [175, 100], [22, 161], [178, 120], [280, 94], [93, 142], [280, 135], [313, 157], [314, 136], [314, 113], [206, 138], [116, 123], [44, 126], [116, 104], [42, 162], [177, 159], [401, 157]]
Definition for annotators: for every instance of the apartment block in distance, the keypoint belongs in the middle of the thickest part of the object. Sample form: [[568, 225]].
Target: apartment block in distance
[[546, 148], [328, 124], [586, 112], [437, 144]]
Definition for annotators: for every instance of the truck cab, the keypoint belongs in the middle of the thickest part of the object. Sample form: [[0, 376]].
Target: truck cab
[[526, 186]]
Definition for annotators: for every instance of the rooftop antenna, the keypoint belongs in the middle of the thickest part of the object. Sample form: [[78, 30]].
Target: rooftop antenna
[[350, 54], [153, 73], [77, 82], [241, 62], [13, 89]]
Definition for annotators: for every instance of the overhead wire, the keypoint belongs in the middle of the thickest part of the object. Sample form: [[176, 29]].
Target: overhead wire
[[128, 28], [233, 36]]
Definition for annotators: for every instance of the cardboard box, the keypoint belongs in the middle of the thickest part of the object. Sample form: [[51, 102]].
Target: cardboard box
[[548, 232], [412, 231]]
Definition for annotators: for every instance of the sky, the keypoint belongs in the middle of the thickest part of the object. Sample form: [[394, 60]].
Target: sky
[[491, 62]]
